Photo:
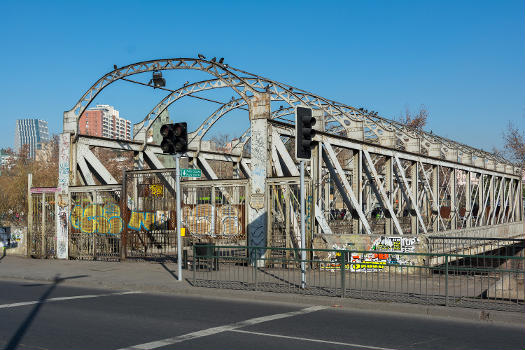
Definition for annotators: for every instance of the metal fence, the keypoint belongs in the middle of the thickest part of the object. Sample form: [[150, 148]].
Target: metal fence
[[42, 225], [480, 281], [475, 245], [95, 222], [212, 211]]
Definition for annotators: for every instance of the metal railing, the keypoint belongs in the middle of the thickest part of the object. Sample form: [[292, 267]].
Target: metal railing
[[475, 245], [474, 281]]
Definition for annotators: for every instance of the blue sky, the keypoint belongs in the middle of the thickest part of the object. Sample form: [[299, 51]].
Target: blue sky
[[463, 60]]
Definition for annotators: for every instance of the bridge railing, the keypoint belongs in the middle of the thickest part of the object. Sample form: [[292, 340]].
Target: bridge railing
[[475, 245], [473, 281]]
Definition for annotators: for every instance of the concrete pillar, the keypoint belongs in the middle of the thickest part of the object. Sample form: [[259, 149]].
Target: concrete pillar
[[62, 214], [260, 111]]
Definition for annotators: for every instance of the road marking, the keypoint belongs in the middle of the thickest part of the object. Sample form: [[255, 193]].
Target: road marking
[[24, 303], [220, 329], [313, 340]]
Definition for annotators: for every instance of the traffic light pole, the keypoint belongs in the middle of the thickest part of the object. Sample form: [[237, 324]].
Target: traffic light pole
[[177, 198], [303, 253]]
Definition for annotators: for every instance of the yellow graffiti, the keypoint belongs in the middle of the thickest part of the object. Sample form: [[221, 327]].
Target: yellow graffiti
[[97, 218], [140, 220], [156, 190]]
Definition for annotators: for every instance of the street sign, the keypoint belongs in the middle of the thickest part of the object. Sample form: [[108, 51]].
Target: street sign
[[190, 173]]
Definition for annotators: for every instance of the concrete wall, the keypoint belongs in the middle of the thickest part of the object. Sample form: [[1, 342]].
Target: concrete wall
[[14, 240], [510, 230]]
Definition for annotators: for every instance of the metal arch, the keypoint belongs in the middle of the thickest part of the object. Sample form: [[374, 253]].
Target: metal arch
[[218, 70], [421, 134], [229, 77], [198, 134], [174, 96], [393, 125], [210, 84]]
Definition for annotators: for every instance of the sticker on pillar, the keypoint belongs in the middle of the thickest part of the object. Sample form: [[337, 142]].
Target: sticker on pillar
[[183, 231], [257, 201]]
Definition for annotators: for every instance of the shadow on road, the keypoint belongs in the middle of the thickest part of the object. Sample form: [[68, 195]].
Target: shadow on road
[[170, 272], [19, 334]]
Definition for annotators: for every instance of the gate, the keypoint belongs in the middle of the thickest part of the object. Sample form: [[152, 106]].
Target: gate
[[212, 212], [42, 222], [284, 215], [95, 222]]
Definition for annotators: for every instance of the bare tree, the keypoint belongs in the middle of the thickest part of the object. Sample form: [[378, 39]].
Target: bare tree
[[514, 144], [416, 120], [222, 141]]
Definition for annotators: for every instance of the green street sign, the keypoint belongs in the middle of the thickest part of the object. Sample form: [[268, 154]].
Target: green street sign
[[190, 173]]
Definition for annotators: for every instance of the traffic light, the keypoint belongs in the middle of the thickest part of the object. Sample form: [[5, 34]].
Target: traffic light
[[304, 132], [174, 138]]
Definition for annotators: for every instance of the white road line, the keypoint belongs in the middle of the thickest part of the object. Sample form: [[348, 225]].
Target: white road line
[[313, 340], [24, 303], [220, 329]]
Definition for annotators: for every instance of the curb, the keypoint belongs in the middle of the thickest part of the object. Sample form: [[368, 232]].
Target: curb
[[514, 319]]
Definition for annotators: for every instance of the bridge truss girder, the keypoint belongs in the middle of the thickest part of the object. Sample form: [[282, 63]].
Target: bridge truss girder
[[406, 173]]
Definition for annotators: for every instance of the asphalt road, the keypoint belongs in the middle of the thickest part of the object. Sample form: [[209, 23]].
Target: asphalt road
[[52, 316]]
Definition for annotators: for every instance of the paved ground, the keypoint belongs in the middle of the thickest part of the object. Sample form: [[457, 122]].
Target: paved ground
[[161, 278], [51, 315]]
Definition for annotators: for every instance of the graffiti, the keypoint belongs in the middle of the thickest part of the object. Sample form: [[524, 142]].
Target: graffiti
[[151, 190], [141, 220], [17, 235], [395, 244], [370, 261], [203, 220], [63, 161], [97, 218]]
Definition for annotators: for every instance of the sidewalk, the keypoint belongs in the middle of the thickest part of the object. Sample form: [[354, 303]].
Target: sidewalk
[[154, 277]]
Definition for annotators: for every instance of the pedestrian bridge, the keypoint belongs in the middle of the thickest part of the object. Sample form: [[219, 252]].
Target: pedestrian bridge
[[370, 180]]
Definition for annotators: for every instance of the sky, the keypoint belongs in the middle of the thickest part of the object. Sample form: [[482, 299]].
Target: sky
[[462, 60]]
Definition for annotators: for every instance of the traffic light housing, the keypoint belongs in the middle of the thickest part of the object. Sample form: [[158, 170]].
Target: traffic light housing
[[304, 133], [174, 138]]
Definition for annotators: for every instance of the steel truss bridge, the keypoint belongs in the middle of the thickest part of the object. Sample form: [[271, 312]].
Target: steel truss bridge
[[368, 175]]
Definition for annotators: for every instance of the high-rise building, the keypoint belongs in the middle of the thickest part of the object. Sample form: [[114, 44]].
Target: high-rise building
[[104, 121], [31, 132]]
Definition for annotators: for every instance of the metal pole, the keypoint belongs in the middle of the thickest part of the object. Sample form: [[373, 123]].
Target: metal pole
[[303, 253], [179, 243]]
